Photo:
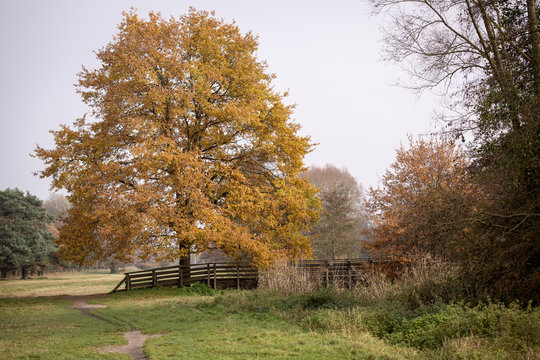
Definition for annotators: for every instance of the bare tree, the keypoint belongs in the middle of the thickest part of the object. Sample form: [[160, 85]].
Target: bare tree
[[465, 45], [57, 204], [340, 231]]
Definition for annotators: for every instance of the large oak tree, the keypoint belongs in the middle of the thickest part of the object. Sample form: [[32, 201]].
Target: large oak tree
[[187, 147]]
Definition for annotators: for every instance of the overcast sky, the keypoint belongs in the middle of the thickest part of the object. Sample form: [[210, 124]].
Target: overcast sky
[[326, 53]]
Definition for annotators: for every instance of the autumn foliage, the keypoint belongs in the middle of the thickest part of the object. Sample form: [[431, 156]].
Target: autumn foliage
[[426, 204], [187, 147]]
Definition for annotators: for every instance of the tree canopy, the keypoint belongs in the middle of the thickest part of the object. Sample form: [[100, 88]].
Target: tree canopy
[[426, 203], [186, 147], [25, 239]]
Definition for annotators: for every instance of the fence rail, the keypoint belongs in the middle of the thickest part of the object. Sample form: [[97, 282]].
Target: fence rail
[[216, 275], [233, 275]]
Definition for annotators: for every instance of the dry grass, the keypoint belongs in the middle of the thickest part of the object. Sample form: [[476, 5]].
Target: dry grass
[[288, 279], [427, 281], [61, 283]]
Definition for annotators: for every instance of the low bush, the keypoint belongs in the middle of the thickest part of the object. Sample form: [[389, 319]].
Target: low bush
[[198, 289], [510, 327]]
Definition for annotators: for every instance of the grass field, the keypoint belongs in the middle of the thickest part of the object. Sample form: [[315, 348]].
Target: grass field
[[197, 323], [61, 283]]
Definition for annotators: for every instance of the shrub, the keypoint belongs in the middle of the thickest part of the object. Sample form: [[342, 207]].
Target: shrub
[[198, 289], [430, 327]]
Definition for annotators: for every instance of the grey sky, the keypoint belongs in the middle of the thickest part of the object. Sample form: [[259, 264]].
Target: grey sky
[[326, 53]]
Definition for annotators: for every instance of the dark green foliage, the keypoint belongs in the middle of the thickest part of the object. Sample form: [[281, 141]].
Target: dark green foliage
[[198, 289], [506, 153], [328, 298], [431, 327], [25, 240]]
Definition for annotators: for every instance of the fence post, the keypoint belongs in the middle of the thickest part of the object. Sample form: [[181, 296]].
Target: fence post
[[327, 274], [128, 283], [237, 277], [154, 278], [180, 277], [349, 273], [208, 274], [215, 275]]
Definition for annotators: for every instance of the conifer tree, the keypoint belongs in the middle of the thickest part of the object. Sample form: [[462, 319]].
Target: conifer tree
[[25, 239]]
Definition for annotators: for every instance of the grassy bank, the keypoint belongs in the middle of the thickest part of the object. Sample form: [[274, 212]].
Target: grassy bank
[[234, 325]]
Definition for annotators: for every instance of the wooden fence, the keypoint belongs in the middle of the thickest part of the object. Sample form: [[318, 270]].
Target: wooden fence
[[338, 272], [215, 275], [341, 272]]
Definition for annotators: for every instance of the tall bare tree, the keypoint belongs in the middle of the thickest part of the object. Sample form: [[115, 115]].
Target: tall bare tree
[[57, 204], [339, 232], [485, 54], [440, 42]]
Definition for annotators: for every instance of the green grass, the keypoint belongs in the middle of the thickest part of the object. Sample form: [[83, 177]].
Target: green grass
[[219, 328], [47, 328], [199, 323]]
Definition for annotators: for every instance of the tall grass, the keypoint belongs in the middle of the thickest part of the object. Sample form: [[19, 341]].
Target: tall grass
[[286, 279], [426, 282]]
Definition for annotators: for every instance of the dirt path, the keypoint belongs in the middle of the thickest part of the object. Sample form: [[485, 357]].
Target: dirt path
[[135, 338], [134, 348]]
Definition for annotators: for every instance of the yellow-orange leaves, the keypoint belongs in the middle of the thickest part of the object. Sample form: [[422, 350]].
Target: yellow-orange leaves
[[189, 147]]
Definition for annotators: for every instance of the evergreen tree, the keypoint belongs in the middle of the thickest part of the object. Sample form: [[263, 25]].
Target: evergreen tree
[[25, 239]]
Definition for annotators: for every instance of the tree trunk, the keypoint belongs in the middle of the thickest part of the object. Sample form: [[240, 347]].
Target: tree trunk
[[4, 272], [24, 273], [534, 31], [185, 264]]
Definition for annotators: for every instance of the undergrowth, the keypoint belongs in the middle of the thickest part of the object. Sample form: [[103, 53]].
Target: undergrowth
[[427, 309]]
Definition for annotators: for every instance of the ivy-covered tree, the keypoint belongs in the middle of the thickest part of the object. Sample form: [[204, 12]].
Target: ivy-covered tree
[[25, 238], [189, 148]]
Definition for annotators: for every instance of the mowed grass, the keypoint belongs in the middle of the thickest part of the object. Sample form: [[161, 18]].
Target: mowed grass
[[61, 283], [47, 328], [37, 323]]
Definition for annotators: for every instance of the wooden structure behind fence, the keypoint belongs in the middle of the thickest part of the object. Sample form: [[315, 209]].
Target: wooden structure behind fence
[[342, 272], [345, 273]]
